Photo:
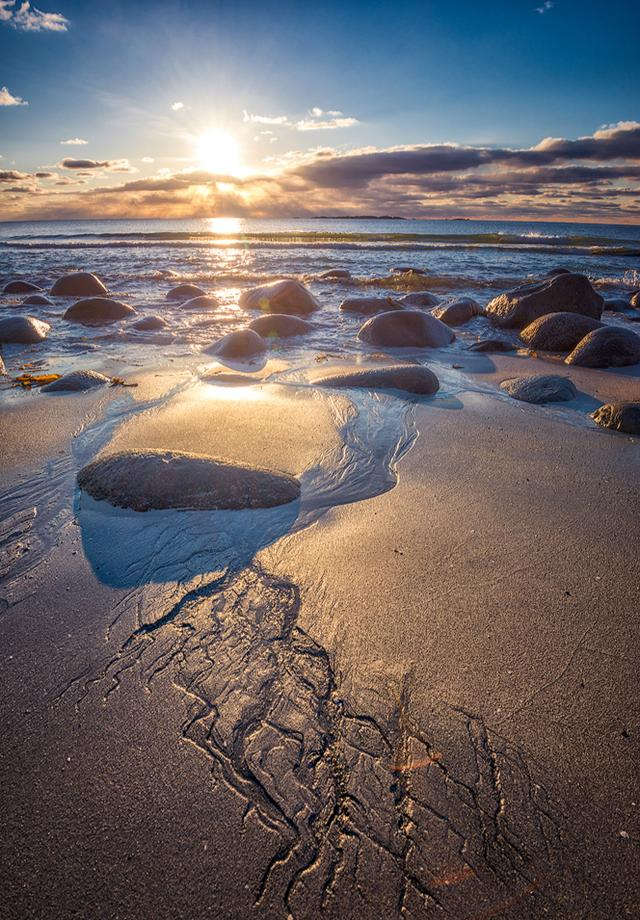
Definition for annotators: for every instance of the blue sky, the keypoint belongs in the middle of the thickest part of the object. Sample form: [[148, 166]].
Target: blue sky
[[400, 74]]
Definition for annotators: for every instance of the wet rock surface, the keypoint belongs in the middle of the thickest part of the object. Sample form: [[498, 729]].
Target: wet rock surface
[[624, 416], [611, 346], [564, 292], [558, 331], [150, 323], [185, 292], [287, 296], [279, 325], [241, 344], [369, 306], [78, 284], [201, 302], [23, 330], [20, 287], [542, 388], [406, 329], [410, 377], [76, 381], [98, 311], [457, 312], [37, 300], [419, 299], [489, 345]]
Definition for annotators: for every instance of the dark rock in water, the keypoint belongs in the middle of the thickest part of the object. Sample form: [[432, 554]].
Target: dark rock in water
[[279, 326], [20, 287], [406, 329], [150, 323], [408, 269], [143, 480], [97, 311], [634, 300], [78, 284], [413, 378], [185, 292], [335, 274], [201, 302], [617, 304], [368, 306], [37, 300], [542, 388], [457, 312], [241, 344], [489, 345], [288, 296], [23, 330], [623, 416], [76, 381], [421, 299], [609, 346], [558, 331], [554, 272], [565, 293]]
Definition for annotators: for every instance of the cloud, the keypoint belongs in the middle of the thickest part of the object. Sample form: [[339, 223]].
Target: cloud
[[121, 165], [176, 106], [74, 142], [44, 175], [265, 119], [328, 124], [313, 122], [7, 98], [27, 18], [546, 6]]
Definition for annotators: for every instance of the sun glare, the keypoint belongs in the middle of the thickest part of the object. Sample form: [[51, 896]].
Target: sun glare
[[218, 152]]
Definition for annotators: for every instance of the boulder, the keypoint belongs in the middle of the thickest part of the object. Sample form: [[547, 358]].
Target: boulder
[[78, 284], [408, 269], [288, 296], [558, 331], [97, 311], [241, 344], [457, 312], [143, 480], [75, 382], [542, 388], [20, 287], [150, 323], [489, 345], [623, 416], [37, 300], [335, 274], [185, 292], [279, 325], [406, 329], [368, 306], [617, 304], [23, 330], [422, 299], [413, 378], [609, 346], [566, 293], [634, 300], [201, 302]]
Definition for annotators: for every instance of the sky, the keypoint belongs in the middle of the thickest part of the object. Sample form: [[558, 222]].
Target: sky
[[504, 110]]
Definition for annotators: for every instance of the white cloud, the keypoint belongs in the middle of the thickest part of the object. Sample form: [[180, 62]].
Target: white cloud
[[29, 18], [74, 142], [329, 124], [7, 98], [265, 119], [176, 106], [314, 122], [5, 12], [546, 6], [147, 160]]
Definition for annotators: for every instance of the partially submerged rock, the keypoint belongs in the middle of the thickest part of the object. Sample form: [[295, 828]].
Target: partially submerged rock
[[564, 292], [23, 330], [150, 323], [335, 274], [368, 306], [553, 272], [97, 311], [201, 302], [609, 346], [37, 300], [76, 381], [185, 292], [408, 269], [406, 329], [457, 312], [624, 416], [143, 480], [542, 388], [78, 284], [20, 287], [558, 331], [279, 326], [287, 296], [241, 344], [413, 378], [617, 305], [421, 299], [489, 345]]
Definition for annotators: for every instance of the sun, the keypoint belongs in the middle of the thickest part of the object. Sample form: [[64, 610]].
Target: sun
[[218, 152]]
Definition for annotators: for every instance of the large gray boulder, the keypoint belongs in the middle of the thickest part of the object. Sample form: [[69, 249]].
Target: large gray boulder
[[609, 346], [369, 306], [97, 311], [542, 388], [37, 300], [287, 296], [201, 302], [413, 378], [20, 287], [241, 344], [406, 329], [185, 292], [567, 293], [624, 416], [558, 331], [23, 330], [421, 299], [159, 479], [76, 382], [279, 326], [457, 312], [78, 284]]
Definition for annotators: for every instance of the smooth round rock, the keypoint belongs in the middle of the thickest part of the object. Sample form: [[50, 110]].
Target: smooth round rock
[[558, 331], [20, 287], [23, 330], [201, 302], [565, 293], [143, 480], [37, 300], [542, 388], [412, 378], [406, 329], [617, 305], [623, 416], [335, 274], [287, 296], [150, 323], [457, 312], [97, 311], [78, 284], [489, 345], [609, 346], [279, 326], [420, 299], [369, 306], [241, 344], [75, 382], [185, 292]]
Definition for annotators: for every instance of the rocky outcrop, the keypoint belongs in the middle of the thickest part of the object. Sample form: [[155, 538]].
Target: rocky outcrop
[[368, 306], [412, 378], [609, 346], [79, 284], [76, 381], [457, 312], [279, 326], [185, 292], [23, 330], [241, 344], [20, 287], [558, 331], [567, 293], [542, 388], [406, 329], [288, 296], [624, 416], [97, 311]]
